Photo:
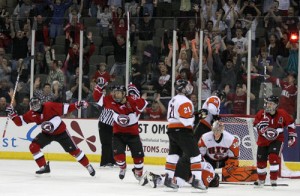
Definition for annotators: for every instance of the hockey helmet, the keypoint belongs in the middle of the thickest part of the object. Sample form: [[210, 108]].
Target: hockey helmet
[[220, 94], [183, 86], [271, 104], [35, 104], [119, 92]]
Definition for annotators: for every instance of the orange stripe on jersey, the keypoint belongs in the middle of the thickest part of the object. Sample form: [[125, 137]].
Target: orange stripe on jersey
[[196, 166], [170, 166], [201, 143], [235, 148], [214, 101], [185, 110], [178, 125]]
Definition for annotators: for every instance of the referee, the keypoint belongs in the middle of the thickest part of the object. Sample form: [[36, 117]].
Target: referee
[[106, 132]]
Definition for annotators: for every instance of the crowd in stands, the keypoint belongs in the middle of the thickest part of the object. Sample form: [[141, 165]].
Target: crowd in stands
[[226, 25]]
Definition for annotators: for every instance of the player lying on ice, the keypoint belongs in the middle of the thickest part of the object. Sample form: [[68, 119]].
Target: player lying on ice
[[48, 117], [219, 149]]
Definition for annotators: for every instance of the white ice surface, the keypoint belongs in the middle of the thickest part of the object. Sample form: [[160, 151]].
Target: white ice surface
[[17, 178]]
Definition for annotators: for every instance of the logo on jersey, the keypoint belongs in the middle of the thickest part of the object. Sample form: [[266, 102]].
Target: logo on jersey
[[47, 126], [123, 120], [89, 140], [271, 134]]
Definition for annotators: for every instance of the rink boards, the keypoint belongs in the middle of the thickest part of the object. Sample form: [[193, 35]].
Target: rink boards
[[85, 134]]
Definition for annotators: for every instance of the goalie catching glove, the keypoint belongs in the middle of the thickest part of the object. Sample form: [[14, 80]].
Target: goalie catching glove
[[81, 104], [11, 112]]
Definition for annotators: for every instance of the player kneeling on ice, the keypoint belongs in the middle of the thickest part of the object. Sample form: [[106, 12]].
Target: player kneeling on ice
[[270, 124], [126, 113], [207, 178], [47, 116], [221, 149]]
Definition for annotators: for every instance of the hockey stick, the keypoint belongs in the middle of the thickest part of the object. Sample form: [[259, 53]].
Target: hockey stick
[[250, 184], [14, 93]]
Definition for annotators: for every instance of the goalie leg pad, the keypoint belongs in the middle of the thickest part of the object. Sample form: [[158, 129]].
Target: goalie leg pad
[[274, 161], [239, 174]]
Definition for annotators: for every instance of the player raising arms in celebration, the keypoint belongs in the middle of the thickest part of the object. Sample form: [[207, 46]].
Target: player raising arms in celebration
[[47, 116], [126, 113], [221, 149], [269, 124], [180, 132]]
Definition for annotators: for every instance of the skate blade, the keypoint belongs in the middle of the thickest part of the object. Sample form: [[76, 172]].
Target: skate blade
[[43, 175], [166, 189], [198, 191]]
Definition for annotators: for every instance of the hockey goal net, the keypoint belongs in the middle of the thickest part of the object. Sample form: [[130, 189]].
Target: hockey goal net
[[242, 128]]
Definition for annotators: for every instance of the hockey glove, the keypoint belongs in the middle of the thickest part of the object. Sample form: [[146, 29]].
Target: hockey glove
[[11, 112], [202, 113], [101, 83], [81, 104], [132, 90], [292, 139]]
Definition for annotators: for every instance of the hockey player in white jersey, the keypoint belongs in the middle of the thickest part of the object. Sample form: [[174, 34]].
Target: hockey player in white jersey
[[221, 149], [180, 132]]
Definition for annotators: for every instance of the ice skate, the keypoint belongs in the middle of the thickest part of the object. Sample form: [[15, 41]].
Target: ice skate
[[259, 183], [198, 184], [44, 170], [153, 179], [137, 173], [91, 170], [170, 183], [274, 183], [144, 179], [122, 173]]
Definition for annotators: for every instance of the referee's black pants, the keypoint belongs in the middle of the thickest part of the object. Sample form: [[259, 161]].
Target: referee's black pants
[[106, 133]]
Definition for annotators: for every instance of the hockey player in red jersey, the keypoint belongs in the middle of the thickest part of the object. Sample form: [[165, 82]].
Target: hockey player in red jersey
[[47, 116], [270, 124], [221, 149], [127, 110]]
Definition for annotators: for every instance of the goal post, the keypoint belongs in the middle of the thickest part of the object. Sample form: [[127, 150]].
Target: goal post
[[242, 127]]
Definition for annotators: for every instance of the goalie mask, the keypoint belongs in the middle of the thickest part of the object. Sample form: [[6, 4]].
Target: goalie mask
[[183, 86], [35, 104], [217, 127], [271, 104], [119, 92]]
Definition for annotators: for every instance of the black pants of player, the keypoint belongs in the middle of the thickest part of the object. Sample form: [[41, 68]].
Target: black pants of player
[[63, 139], [106, 134], [181, 142], [120, 141], [183, 166], [264, 151]]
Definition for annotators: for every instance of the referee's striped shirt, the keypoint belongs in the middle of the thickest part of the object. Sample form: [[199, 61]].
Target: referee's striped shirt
[[106, 116]]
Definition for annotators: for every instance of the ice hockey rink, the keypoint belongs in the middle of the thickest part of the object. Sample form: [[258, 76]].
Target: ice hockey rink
[[17, 178]]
